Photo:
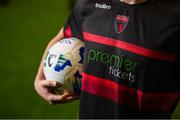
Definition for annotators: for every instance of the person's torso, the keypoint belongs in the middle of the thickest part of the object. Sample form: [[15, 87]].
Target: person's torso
[[130, 56]]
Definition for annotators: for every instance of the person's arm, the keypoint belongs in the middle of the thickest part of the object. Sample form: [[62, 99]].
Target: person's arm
[[58, 37], [43, 86]]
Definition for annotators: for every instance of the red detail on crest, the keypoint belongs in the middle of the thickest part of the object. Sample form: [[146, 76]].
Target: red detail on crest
[[122, 18], [120, 23], [120, 27]]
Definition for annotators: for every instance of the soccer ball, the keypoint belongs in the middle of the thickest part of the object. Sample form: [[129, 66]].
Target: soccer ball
[[64, 64]]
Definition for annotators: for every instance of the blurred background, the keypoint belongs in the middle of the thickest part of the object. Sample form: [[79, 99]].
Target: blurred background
[[26, 26]]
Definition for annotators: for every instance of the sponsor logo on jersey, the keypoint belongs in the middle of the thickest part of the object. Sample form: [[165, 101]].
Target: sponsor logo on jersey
[[120, 67], [121, 23], [102, 6]]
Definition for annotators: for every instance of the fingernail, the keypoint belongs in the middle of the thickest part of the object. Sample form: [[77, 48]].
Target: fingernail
[[53, 83]]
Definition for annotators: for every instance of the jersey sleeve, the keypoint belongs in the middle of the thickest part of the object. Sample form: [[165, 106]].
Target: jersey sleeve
[[73, 26]]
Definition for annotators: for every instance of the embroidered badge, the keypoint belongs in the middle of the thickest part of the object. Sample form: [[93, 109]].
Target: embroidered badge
[[121, 23]]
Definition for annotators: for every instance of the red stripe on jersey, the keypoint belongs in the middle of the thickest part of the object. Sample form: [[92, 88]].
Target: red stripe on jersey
[[68, 32], [121, 94], [157, 101], [109, 89], [129, 47]]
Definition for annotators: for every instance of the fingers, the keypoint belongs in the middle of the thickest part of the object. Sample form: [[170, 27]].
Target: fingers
[[70, 98], [64, 98], [53, 97], [53, 92], [49, 83]]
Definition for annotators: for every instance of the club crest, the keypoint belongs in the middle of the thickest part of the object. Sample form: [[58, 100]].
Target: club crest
[[121, 23]]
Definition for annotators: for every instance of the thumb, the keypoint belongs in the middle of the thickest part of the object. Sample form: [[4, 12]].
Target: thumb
[[48, 83]]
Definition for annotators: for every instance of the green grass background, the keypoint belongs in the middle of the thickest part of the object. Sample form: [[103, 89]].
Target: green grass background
[[26, 26]]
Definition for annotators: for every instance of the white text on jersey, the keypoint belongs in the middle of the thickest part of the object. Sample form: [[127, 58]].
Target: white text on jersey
[[102, 6]]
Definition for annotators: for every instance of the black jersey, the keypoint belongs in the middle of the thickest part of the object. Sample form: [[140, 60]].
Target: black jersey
[[132, 57]]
